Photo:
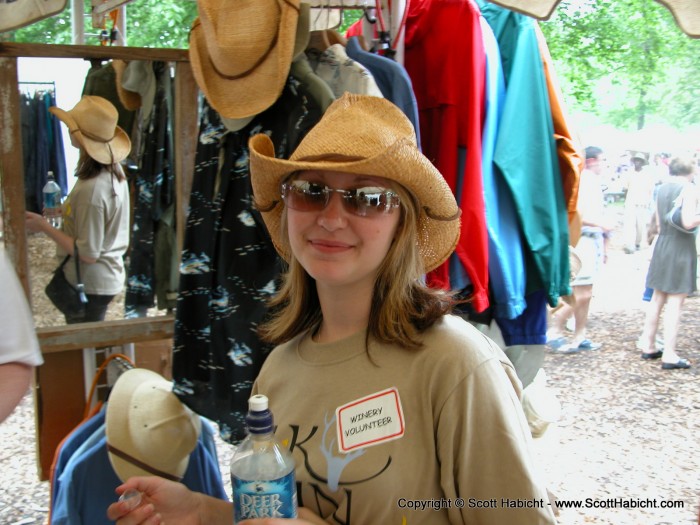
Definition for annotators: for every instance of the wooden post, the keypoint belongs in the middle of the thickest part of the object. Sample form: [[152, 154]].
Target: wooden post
[[12, 171], [186, 126]]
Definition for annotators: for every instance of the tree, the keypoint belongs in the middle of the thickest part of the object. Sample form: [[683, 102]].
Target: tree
[[624, 60], [149, 23]]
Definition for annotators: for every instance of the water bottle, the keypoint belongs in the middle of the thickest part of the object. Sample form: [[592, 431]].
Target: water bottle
[[262, 471], [52, 201]]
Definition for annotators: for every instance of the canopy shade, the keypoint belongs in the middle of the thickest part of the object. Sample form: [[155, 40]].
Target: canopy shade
[[19, 13], [686, 12]]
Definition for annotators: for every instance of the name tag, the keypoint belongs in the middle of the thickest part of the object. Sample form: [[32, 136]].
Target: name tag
[[370, 420]]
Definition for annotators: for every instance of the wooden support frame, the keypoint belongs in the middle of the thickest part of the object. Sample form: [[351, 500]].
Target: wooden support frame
[[59, 392]]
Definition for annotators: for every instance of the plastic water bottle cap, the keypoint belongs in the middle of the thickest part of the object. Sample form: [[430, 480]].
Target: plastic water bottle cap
[[258, 403]]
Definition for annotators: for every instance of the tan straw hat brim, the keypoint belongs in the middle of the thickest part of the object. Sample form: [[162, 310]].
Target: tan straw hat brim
[[215, 49], [369, 136]]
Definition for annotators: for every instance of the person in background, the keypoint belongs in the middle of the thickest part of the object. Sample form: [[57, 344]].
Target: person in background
[[639, 201], [592, 250], [96, 212], [19, 347], [360, 215], [673, 268]]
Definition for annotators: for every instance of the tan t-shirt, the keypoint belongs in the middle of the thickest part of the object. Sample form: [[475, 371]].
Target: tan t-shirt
[[96, 213], [464, 432]]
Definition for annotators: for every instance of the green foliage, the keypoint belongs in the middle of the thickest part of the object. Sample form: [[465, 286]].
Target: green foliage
[[149, 23], [160, 23], [625, 61]]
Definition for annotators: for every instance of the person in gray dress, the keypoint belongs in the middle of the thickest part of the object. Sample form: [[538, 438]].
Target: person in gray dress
[[673, 268]]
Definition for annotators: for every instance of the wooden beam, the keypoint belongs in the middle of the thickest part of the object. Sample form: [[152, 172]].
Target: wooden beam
[[54, 339], [12, 49], [12, 171]]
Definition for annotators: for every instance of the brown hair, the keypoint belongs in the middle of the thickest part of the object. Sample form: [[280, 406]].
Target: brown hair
[[403, 306], [88, 167], [681, 166]]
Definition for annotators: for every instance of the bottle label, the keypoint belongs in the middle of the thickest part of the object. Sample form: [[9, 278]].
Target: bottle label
[[275, 498], [52, 200]]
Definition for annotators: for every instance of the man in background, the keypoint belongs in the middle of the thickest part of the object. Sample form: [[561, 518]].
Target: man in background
[[638, 202], [591, 249]]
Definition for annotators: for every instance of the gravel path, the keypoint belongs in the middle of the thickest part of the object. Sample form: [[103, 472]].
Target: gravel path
[[628, 433]]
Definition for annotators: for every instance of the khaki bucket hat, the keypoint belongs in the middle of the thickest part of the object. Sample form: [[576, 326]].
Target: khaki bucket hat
[[364, 135], [93, 122], [241, 52]]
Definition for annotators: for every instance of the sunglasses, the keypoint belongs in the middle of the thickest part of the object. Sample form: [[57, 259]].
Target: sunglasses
[[367, 201]]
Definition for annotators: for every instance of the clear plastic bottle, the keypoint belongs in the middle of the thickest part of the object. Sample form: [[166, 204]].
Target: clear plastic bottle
[[262, 471], [52, 201]]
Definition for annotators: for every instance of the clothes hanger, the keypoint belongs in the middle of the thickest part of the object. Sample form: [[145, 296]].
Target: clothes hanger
[[333, 35], [318, 40]]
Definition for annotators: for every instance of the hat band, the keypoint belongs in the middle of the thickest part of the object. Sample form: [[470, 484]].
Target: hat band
[[449, 218], [94, 137], [140, 464]]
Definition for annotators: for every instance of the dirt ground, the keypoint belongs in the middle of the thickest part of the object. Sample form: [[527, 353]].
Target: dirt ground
[[626, 447]]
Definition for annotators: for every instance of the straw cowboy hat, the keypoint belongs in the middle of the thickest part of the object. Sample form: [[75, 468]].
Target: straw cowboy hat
[[364, 135], [149, 431], [241, 52], [93, 122]]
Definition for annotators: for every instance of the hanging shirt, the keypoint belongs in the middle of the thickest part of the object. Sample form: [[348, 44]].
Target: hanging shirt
[[154, 192], [568, 149], [506, 261], [319, 88], [445, 59], [526, 153], [88, 483], [343, 74], [229, 266], [71, 443], [391, 78]]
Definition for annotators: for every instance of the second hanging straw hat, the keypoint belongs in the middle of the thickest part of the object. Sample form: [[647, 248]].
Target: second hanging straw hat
[[241, 52]]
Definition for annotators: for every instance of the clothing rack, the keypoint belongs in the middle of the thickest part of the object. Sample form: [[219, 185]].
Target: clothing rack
[[393, 12], [26, 85], [50, 83]]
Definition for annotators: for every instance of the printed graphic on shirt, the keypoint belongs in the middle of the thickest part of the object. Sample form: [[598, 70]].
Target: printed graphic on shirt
[[370, 420], [332, 495]]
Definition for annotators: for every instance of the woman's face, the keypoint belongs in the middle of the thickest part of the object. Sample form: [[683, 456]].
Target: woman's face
[[335, 245]]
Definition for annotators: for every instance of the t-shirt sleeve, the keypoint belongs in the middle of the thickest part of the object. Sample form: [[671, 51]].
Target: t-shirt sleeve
[[484, 452]]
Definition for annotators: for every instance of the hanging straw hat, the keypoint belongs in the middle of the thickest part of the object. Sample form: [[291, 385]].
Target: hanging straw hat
[[93, 122], [241, 52], [369, 136], [149, 431]]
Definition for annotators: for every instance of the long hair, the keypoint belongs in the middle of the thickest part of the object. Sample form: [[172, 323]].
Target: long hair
[[88, 167], [402, 306]]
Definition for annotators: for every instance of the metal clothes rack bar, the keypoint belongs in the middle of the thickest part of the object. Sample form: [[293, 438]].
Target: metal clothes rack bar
[[51, 83]]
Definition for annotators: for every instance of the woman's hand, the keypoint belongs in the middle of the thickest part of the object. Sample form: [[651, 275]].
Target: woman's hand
[[306, 517], [35, 223], [164, 501]]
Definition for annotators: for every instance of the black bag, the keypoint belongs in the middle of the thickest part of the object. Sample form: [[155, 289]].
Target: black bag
[[69, 299]]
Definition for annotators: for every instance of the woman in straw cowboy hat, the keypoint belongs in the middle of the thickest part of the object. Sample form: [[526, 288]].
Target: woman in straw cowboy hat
[[96, 212], [385, 399]]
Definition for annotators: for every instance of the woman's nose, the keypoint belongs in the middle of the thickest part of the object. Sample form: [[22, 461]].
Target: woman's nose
[[334, 215]]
